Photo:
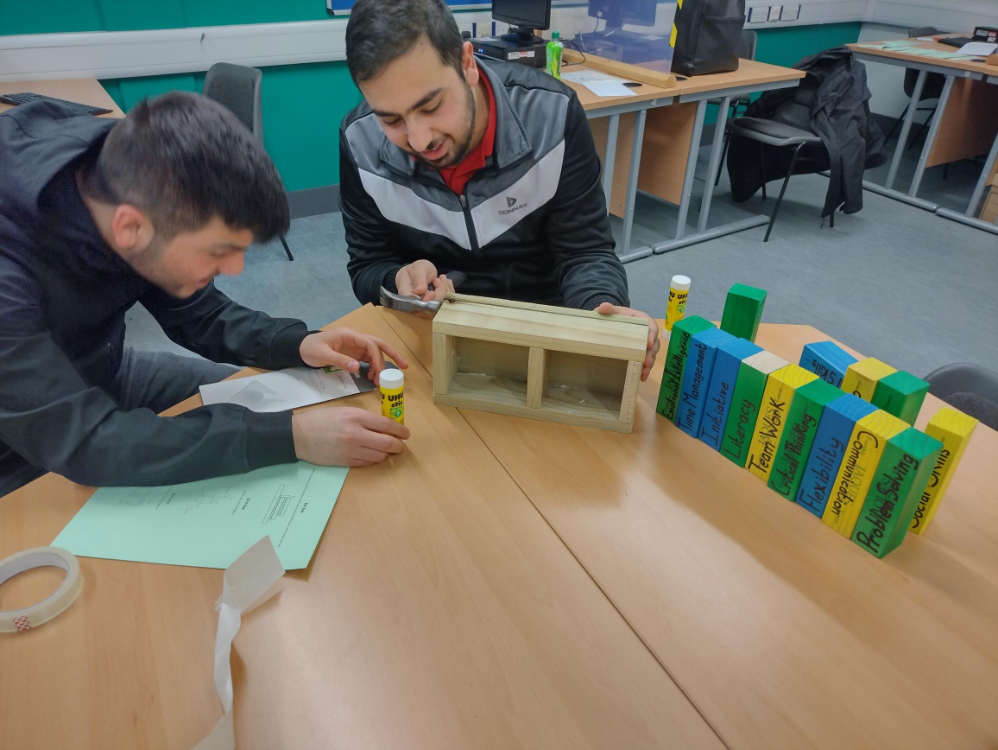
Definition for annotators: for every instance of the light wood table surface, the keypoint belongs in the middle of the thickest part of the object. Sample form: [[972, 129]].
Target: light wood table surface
[[82, 90], [590, 101], [781, 632], [439, 611], [965, 64]]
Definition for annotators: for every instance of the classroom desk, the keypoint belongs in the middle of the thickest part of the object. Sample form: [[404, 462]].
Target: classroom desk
[[672, 135], [439, 611], [964, 123], [82, 90], [781, 632]]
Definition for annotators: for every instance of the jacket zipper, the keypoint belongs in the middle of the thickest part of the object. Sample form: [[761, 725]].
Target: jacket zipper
[[470, 224]]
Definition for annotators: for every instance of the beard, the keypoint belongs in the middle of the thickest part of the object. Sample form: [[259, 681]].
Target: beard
[[463, 145]]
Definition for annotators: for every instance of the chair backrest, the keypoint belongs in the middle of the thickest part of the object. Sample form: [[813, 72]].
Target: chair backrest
[[237, 87], [923, 31], [963, 378], [745, 50]]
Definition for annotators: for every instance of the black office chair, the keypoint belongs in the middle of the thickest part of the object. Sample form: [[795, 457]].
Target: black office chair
[[970, 388], [932, 89], [237, 87], [745, 50]]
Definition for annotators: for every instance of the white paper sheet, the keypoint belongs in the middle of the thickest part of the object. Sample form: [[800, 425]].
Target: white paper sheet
[[609, 88], [977, 49], [286, 389], [244, 585], [586, 76]]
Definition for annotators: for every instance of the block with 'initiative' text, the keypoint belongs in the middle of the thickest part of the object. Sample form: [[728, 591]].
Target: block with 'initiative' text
[[675, 363], [722, 387], [798, 436], [900, 394], [953, 429], [696, 378], [834, 430], [859, 465], [862, 377], [827, 360], [902, 474], [777, 399], [743, 311], [745, 401]]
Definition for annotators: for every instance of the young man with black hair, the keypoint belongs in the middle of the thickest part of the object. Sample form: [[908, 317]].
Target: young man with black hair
[[96, 215], [454, 163]]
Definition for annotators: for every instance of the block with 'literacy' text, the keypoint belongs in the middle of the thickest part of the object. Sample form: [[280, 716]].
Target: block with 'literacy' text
[[859, 465], [675, 362], [837, 423], [696, 378], [862, 377], [798, 436], [722, 386], [777, 399], [745, 401], [900, 394], [953, 429], [827, 360], [902, 474]]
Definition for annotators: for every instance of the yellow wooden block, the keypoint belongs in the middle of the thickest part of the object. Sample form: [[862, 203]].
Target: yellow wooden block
[[953, 429], [862, 377], [776, 400], [859, 466]]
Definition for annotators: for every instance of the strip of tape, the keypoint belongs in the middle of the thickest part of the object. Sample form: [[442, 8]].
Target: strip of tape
[[22, 620]]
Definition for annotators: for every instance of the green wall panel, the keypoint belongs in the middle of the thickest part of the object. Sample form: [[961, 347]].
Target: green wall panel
[[226, 12], [50, 17]]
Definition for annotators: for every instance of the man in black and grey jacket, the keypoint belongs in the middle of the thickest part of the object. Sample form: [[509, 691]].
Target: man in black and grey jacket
[[96, 215], [454, 163]]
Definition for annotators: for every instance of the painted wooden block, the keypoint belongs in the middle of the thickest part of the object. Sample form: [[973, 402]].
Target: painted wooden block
[[900, 394], [836, 426], [803, 419], [859, 466], [550, 363], [722, 387], [827, 360], [696, 378], [743, 311], [745, 402], [953, 429], [675, 363], [902, 475], [862, 377], [777, 399]]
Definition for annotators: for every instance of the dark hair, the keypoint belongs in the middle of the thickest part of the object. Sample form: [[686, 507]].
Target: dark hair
[[380, 31], [184, 159]]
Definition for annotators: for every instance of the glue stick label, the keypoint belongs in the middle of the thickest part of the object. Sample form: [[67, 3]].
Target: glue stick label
[[393, 404], [676, 307]]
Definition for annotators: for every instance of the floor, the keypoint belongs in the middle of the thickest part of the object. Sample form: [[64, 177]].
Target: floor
[[891, 281]]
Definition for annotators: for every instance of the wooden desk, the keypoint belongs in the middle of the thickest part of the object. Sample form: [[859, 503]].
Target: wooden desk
[[781, 632], [82, 90], [440, 611]]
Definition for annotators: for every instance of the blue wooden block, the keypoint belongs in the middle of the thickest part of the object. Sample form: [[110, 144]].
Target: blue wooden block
[[830, 442], [728, 358], [827, 360], [696, 378]]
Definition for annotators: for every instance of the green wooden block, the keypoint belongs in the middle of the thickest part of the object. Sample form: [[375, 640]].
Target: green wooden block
[[743, 311], [745, 401], [902, 475], [675, 363], [900, 394], [798, 436]]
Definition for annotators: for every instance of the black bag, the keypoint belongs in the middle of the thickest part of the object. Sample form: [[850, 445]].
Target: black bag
[[707, 33]]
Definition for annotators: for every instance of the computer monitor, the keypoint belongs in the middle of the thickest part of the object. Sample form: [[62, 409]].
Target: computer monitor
[[525, 15], [615, 13]]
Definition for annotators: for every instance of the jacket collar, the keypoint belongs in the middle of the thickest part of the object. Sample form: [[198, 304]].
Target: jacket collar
[[511, 143]]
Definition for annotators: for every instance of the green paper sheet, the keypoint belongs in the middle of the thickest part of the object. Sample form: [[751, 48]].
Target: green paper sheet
[[209, 524]]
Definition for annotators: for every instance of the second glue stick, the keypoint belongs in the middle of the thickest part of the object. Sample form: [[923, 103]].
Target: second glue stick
[[676, 307], [392, 401]]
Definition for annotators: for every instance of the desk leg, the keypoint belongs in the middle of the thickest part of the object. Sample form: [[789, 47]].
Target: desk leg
[[968, 216], [632, 189], [905, 130], [714, 164], [691, 165], [930, 139], [609, 156]]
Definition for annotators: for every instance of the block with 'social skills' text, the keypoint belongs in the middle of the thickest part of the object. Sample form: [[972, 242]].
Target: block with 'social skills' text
[[953, 429]]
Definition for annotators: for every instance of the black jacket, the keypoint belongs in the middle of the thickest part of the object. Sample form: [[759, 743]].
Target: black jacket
[[63, 297], [531, 225], [833, 102]]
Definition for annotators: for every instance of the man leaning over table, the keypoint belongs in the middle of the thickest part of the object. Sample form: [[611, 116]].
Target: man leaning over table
[[98, 214]]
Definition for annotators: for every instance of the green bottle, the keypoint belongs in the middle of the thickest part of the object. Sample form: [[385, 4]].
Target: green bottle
[[554, 49]]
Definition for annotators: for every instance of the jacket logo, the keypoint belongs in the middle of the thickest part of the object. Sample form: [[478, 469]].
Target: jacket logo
[[511, 206]]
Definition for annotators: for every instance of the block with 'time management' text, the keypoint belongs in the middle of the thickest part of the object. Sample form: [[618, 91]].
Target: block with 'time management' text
[[696, 378]]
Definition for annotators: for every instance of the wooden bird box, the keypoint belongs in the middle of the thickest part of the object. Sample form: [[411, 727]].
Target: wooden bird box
[[525, 360]]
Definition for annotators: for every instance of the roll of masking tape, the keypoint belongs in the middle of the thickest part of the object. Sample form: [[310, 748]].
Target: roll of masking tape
[[20, 620]]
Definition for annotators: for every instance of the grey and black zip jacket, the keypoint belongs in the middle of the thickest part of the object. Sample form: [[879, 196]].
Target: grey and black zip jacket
[[531, 225]]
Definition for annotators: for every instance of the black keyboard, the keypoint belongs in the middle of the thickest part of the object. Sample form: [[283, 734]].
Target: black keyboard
[[955, 41], [26, 97]]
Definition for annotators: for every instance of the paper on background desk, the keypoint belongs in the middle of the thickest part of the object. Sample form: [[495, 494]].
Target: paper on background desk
[[287, 389], [978, 49], [600, 84], [208, 524]]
